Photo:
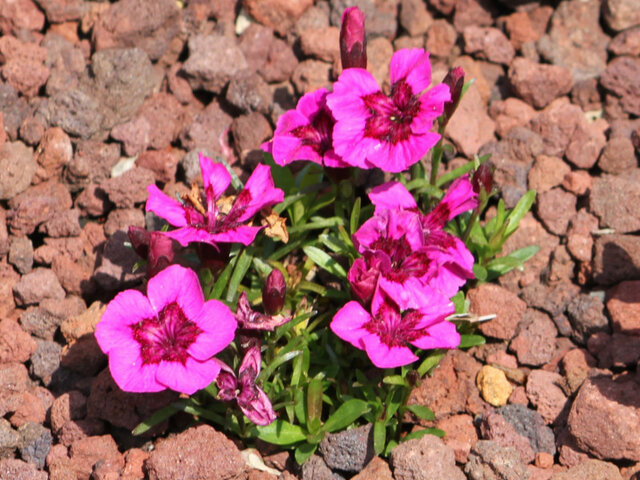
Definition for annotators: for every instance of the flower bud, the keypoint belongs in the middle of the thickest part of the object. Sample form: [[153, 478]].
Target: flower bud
[[353, 45], [139, 238], [455, 81], [273, 292], [160, 253], [363, 276], [482, 179]]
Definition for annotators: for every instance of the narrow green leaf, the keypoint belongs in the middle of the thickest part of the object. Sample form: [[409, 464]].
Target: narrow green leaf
[[282, 176], [469, 340], [304, 451], [323, 260], [314, 404], [431, 361], [420, 411], [519, 211], [379, 436], [455, 173], [354, 221], [158, 417], [280, 432], [346, 414], [395, 380], [317, 223], [223, 280], [421, 433], [242, 266], [480, 272]]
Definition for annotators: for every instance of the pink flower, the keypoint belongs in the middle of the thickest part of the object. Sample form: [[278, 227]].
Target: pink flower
[[204, 219], [393, 324], [390, 132], [166, 339], [251, 399], [305, 133], [447, 263]]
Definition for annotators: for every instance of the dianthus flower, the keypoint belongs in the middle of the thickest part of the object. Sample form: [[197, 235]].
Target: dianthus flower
[[393, 323], [450, 261], [252, 400], [211, 218], [166, 339], [305, 133], [390, 132]]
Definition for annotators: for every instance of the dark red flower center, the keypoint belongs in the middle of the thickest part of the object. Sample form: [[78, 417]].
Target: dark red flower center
[[391, 117], [405, 262], [318, 133], [394, 328], [165, 337]]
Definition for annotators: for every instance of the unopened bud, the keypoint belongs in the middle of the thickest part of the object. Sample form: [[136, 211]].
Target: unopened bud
[[353, 45], [273, 292], [455, 81], [161, 253], [482, 179]]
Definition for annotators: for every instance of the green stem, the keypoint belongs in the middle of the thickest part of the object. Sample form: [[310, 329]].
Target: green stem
[[472, 221]]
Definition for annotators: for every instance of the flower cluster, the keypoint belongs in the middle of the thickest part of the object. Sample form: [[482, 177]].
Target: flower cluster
[[410, 267], [357, 124]]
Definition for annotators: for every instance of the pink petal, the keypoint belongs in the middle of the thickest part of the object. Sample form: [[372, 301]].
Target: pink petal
[[127, 370], [460, 197], [311, 102], [186, 235], [187, 378], [348, 323], [392, 195], [252, 359], [218, 327], [288, 148], [439, 335], [242, 234], [214, 176], [263, 191], [176, 284], [413, 66], [165, 207], [384, 356], [126, 309], [259, 411]]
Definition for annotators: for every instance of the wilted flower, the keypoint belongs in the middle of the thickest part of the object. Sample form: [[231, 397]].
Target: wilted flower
[[353, 43], [209, 218], [274, 292], [394, 323], [249, 319], [305, 133], [252, 400], [156, 248], [390, 132], [166, 339]]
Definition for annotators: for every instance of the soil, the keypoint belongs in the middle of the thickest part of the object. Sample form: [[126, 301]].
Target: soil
[[100, 99]]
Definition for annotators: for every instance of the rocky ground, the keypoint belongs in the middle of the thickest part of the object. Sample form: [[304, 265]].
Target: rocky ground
[[99, 99]]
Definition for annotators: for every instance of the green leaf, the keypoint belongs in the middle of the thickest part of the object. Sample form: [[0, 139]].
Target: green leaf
[[354, 221], [158, 417], [280, 432], [421, 433], [519, 211], [455, 173], [379, 436], [323, 260], [346, 414], [304, 451], [222, 281], [420, 411], [395, 380], [282, 176], [242, 266], [430, 362], [480, 272], [317, 223], [469, 340], [393, 402], [314, 404]]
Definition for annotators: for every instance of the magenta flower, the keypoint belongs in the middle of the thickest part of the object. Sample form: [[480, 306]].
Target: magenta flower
[[205, 218], [446, 262], [305, 133], [393, 324], [364, 273], [252, 400], [390, 132], [166, 339]]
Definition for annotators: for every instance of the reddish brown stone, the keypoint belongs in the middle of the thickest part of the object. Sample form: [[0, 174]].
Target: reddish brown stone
[[37, 204], [441, 38], [544, 391], [461, 435], [488, 299], [535, 342]]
